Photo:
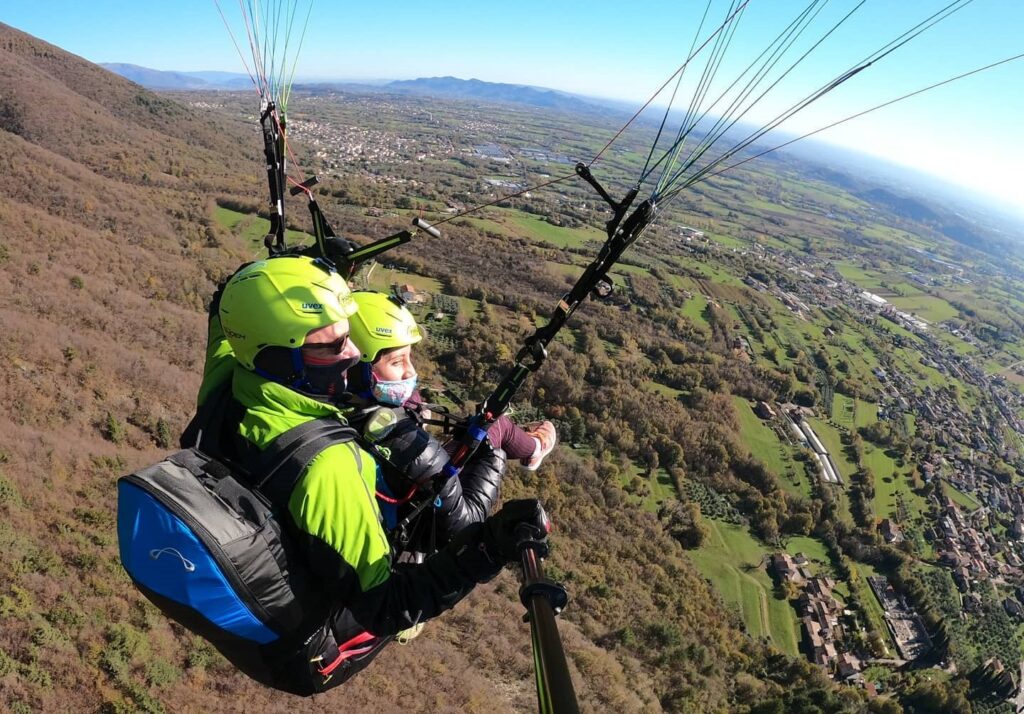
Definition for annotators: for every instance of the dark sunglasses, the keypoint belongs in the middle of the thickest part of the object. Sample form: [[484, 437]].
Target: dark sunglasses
[[335, 348]]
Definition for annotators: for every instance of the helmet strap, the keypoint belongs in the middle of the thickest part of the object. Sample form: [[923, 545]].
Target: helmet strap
[[298, 368], [282, 365], [370, 378], [360, 381]]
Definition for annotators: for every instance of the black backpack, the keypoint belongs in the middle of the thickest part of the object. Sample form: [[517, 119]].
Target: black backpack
[[209, 545]]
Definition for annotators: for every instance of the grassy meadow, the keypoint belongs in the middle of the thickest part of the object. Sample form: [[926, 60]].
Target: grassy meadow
[[765, 446], [735, 563]]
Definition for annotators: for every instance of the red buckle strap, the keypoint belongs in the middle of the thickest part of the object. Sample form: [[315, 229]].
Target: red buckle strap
[[350, 649], [398, 501]]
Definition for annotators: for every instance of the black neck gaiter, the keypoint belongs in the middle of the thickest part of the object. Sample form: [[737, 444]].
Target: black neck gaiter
[[327, 380]]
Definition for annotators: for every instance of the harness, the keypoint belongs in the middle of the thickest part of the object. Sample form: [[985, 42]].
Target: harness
[[338, 646]]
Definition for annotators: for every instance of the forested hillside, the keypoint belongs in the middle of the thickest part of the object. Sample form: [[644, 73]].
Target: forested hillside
[[110, 247]]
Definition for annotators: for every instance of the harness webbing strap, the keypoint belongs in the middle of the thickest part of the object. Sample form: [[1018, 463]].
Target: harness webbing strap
[[273, 471], [283, 462]]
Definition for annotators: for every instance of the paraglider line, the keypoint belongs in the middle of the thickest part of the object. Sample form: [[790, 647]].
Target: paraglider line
[[858, 115], [237, 48], [677, 183], [781, 45], [474, 209], [666, 83], [719, 131]]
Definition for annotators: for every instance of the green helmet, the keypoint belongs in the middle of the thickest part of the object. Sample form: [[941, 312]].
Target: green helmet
[[277, 302], [382, 322]]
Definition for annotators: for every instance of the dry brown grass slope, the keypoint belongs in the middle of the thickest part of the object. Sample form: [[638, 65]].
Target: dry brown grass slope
[[106, 257], [107, 254]]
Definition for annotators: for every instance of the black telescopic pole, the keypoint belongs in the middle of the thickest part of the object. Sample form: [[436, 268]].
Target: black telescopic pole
[[544, 598]]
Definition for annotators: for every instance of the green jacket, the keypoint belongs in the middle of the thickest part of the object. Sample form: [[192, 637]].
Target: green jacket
[[334, 502]]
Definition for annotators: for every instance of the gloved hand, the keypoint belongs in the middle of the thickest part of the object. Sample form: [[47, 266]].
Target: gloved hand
[[518, 522]]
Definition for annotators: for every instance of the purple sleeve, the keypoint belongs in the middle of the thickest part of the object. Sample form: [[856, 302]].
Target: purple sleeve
[[504, 434]]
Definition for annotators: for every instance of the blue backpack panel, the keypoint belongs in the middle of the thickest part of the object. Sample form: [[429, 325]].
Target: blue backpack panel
[[207, 548], [170, 551]]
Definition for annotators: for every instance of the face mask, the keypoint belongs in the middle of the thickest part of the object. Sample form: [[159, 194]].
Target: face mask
[[395, 393], [327, 379]]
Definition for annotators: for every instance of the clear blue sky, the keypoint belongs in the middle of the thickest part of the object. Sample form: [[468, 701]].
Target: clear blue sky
[[967, 132]]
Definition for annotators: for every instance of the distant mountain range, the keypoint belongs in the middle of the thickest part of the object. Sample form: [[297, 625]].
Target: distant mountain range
[[447, 87], [453, 87], [980, 220], [965, 216], [160, 79]]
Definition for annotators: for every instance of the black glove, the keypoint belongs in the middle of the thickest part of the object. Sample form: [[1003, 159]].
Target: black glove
[[518, 524]]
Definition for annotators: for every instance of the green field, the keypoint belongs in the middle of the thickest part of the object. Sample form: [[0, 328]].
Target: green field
[[853, 413], [735, 564], [928, 307], [890, 483], [383, 279], [536, 228], [252, 228], [573, 271], [766, 447], [625, 269], [960, 498], [727, 241], [228, 218], [851, 347], [824, 194], [694, 309], [468, 306], [911, 423], [662, 389], [659, 488], [761, 206], [894, 235], [719, 275], [813, 548], [866, 279]]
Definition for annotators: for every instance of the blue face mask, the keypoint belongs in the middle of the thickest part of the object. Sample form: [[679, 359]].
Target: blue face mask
[[395, 393]]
